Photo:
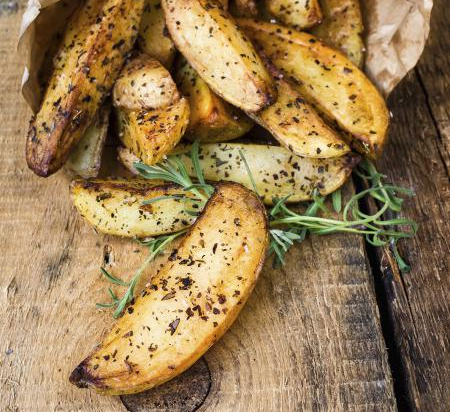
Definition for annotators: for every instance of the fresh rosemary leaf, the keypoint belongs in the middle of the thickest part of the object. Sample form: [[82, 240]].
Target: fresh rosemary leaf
[[112, 278], [336, 198]]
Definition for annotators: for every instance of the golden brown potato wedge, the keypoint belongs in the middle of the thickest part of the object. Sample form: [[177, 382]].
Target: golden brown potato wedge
[[211, 118], [151, 115], [298, 127], [192, 300], [98, 38], [152, 133], [342, 28], [277, 171], [144, 84], [222, 55], [327, 79], [301, 14], [85, 159], [114, 207], [154, 38]]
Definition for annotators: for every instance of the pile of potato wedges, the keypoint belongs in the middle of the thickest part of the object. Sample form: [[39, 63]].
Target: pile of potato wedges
[[278, 80]]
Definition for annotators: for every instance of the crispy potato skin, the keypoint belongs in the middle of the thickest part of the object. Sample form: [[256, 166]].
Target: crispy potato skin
[[342, 28], [184, 311], [152, 116], [94, 48], [301, 14], [298, 127], [85, 159], [144, 84], [211, 118], [154, 37], [326, 79], [114, 207], [277, 171], [202, 30]]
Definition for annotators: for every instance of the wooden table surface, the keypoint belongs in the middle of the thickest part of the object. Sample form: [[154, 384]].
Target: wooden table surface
[[337, 329]]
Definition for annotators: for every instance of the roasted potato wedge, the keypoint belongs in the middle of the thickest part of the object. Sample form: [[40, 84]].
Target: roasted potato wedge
[[154, 38], [301, 14], [98, 38], [327, 79], [298, 127], [114, 207], [192, 300], [222, 55], [151, 115], [342, 27], [211, 118], [144, 84], [85, 159], [277, 171]]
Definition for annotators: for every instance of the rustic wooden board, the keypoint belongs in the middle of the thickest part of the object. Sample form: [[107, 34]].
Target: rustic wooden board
[[418, 303], [308, 339]]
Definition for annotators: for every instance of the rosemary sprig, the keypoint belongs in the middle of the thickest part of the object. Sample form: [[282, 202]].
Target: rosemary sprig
[[378, 228], [155, 247]]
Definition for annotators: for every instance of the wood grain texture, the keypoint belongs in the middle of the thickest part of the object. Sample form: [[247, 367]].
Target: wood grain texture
[[417, 157], [308, 339]]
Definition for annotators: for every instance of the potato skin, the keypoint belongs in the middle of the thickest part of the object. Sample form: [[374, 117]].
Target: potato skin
[[327, 80], [301, 14], [211, 118], [151, 115], [154, 38], [144, 84], [114, 207], [298, 126], [202, 30], [97, 41], [191, 302], [342, 28]]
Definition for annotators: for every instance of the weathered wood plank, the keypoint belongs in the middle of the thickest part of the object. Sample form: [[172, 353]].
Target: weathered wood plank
[[309, 337], [417, 157]]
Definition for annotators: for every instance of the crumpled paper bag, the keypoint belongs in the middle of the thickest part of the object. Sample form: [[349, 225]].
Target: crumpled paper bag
[[396, 32]]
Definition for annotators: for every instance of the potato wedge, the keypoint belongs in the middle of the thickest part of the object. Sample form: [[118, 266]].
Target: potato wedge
[[222, 55], [192, 300], [151, 115], [211, 118], [298, 127], [98, 38], [327, 79], [154, 38], [85, 159], [301, 14], [342, 28], [152, 133], [277, 171], [114, 207], [144, 84]]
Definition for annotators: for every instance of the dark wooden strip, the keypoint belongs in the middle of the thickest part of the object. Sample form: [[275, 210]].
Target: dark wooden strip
[[417, 157]]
